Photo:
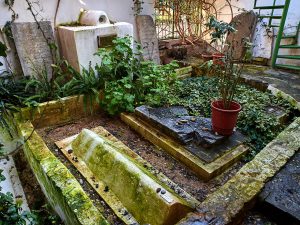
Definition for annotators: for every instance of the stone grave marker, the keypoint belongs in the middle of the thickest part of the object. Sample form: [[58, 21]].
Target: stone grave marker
[[245, 24], [148, 37], [32, 48]]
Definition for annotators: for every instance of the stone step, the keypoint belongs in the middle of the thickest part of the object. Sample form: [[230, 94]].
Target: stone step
[[147, 199]]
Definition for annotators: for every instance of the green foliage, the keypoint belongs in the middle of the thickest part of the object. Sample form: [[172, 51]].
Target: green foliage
[[87, 84], [220, 29], [11, 212], [196, 94], [127, 82], [119, 96], [3, 49], [1, 154]]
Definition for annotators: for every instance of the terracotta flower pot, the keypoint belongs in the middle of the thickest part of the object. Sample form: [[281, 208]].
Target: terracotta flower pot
[[224, 120], [206, 57], [217, 58]]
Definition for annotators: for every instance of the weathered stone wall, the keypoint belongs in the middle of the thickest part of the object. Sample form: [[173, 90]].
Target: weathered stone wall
[[62, 190], [58, 111]]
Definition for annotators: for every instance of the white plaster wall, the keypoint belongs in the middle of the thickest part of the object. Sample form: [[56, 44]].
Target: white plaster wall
[[117, 10]]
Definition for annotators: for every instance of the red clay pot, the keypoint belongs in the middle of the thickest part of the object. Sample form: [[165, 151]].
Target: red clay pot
[[206, 57], [224, 120], [217, 58]]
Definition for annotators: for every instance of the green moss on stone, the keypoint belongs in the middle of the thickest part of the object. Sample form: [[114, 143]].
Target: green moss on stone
[[135, 187], [61, 188]]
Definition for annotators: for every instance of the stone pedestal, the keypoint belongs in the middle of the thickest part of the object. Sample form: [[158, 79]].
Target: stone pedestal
[[79, 44]]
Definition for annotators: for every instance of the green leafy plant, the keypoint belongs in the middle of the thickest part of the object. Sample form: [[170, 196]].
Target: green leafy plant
[[220, 30], [126, 81], [226, 68], [261, 127], [86, 83], [11, 212]]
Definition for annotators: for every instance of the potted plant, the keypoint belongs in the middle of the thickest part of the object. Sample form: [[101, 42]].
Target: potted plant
[[220, 30], [225, 110], [206, 56]]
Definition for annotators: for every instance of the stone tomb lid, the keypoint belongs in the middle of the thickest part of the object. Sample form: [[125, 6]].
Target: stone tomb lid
[[193, 132]]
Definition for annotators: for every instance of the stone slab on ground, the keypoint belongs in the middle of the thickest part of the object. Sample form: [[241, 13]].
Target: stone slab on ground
[[195, 133], [147, 199], [33, 50], [245, 24], [231, 200], [287, 82], [283, 191], [204, 170], [148, 38], [12, 182]]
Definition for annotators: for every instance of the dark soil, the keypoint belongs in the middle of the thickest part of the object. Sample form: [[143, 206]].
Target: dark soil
[[159, 159]]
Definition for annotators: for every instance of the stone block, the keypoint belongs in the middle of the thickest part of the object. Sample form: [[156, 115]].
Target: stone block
[[60, 187], [33, 50], [203, 169], [283, 191], [245, 24], [148, 200], [147, 37], [79, 44]]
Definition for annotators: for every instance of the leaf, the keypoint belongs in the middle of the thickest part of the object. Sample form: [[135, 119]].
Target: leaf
[[3, 49]]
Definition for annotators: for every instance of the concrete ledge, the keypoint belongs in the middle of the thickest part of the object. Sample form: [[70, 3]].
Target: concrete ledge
[[229, 202], [275, 91], [148, 200], [62, 190], [184, 72], [56, 112], [204, 170]]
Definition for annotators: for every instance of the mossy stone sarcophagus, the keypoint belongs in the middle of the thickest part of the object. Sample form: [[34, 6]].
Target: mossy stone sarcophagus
[[148, 200]]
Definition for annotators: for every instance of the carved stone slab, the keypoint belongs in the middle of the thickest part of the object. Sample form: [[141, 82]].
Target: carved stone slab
[[32, 48], [245, 24], [148, 37]]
